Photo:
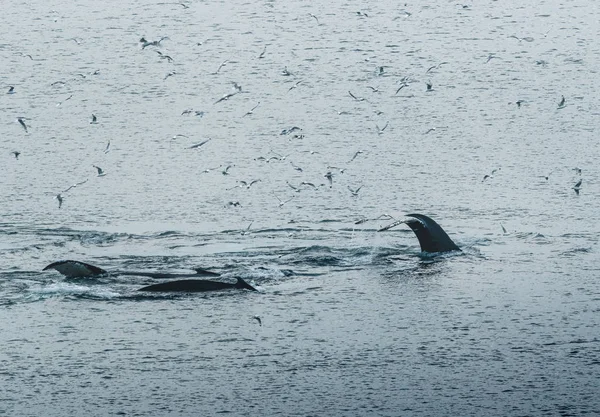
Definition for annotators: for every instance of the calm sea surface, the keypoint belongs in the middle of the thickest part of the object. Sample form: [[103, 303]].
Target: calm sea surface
[[354, 322]]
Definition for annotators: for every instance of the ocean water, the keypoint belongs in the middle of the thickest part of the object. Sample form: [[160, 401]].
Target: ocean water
[[353, 322]]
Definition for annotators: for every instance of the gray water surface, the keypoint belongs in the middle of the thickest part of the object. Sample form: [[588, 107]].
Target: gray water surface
[[354, 322]]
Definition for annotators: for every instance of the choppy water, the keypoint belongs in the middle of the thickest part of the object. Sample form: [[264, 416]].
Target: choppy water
[[354, 322]]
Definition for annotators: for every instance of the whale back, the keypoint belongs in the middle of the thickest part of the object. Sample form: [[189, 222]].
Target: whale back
[[75, 269], [195, 285], [432, 237]]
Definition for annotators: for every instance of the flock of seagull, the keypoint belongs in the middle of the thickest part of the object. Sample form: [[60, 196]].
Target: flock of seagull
[[331, 172]]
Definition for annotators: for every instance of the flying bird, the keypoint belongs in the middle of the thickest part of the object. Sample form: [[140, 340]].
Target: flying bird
[[101, 172], [355, 192], [196, 146], [94, 119], [251, 111], [16, 154], [226, 97], [281, 202], [262, 54], [356, 98], [562, 103], [380, 131], [295, 86], [21, 121], [221, 66]]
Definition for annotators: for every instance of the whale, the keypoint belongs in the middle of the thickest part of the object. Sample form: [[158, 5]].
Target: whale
[[77, 269], [431, 236], [196, 285]]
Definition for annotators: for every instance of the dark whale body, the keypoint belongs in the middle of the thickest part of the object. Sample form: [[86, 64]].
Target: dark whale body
[[432, 237], [196, 285], [77, 269]]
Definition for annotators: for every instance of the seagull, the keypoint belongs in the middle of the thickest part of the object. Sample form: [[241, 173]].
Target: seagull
[[224, 172], [374, 89], [285, 72], [21, 121], [435, 66], [16, 154], [226, 97], [221, 66], [73, 186], [577, 170], [101, 172], [329, 177], [169, 74], [207, 170], [290, 130], [163, 56], [59, 197], [237, 87], [432, 129], [296, 189], [27, 55], [380, 131], [429, 86], [94, 119], [107, 147], [355, 192], [281, 202], [359, 13], [562, 103], [380, 70], [245, 184], [262, 54], [526, 39], [356, 154], [503, 229], [77, 40], [234, 204], [185, 6], [196, 146], [11, 90], [314, 17], [577, 186], [294, 86], [251, 111], [404, 84], [61, 102], [519, 102], [490, 57], [257, 319], [247, 231], [296, 167], [145, 43], [356, 98]]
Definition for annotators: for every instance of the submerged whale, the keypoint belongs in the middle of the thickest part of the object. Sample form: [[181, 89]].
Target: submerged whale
[[78, 269], [196, 285], [432, 237]]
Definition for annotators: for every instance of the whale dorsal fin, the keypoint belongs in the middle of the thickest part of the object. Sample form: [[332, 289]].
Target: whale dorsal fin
[[243, 284]]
